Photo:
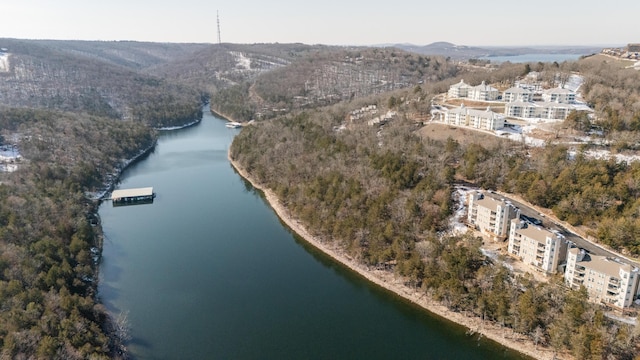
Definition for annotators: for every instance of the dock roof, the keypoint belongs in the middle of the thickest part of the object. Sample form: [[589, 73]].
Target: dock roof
[[127, 193]]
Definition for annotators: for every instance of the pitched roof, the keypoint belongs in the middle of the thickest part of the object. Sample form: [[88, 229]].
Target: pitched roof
[[484, 87], [603, 264], [460, 84], [518, 90]]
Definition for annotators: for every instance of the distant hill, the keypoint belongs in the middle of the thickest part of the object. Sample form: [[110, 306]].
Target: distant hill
[[218, 66], [131, 54], [469, 52], [328, 75], [75, 77]]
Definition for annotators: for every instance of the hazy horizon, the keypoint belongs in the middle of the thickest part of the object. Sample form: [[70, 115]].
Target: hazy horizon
[[539, 46], [332, 22]]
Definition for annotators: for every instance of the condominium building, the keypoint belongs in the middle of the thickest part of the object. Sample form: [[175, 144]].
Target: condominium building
[[491, 215], [459, 90], [478, 119], [483, 92], [559, 95], [517, 94], [538, 110], [542, 249], [609, 281]]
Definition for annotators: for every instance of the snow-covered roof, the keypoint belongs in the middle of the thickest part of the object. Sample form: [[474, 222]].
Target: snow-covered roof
[[460, 84], [474, 112], [558, 91], [485, 87], [518, 90]]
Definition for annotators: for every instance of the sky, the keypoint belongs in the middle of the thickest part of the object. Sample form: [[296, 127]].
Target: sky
[[331, 22]]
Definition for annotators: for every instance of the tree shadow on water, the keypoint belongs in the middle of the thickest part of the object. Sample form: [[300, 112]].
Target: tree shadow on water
[[143, 346]]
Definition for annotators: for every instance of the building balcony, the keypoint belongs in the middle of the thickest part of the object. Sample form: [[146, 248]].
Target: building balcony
[[575, 286]]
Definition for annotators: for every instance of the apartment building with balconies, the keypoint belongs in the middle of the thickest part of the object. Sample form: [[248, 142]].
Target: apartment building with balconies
[[483, 92], [538, 247], [609, 281], [538, 110], [477, 119], [517, 94], [459, 90], [490, 215], [559, 95]]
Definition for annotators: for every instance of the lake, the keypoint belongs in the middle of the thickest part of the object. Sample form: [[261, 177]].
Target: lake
[[208, 271], [524, 58]]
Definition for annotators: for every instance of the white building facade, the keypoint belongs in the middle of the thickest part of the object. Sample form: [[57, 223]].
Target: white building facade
[[477, 119], [559, 95], [490, 215], [542, 249], [538, 110], [459, 90], [609, 282], [517, 94], [483, 92]]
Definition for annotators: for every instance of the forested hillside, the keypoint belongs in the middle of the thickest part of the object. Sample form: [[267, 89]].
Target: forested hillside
[[77, 110], [614, 93], [385, 197], [49, 244], [130, 54], [220, 66], [41, 76], [327, 76]]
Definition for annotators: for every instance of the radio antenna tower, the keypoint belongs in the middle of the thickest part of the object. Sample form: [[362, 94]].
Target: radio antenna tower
[[218, 18]]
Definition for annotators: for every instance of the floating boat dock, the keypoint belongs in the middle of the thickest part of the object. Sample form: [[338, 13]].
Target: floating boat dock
[[132, 195], [233, 125]]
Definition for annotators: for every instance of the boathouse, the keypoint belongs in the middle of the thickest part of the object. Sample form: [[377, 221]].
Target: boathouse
[[132, 195]]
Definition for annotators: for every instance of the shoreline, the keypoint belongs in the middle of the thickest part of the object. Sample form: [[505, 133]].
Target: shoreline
[[503, 336], [219, 114], [97, 199]]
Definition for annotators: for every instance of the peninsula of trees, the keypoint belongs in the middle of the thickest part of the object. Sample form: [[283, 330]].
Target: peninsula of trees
[[383, 194]]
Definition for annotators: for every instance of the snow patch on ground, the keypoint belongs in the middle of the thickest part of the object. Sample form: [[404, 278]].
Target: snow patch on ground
[[605, 155], [4, 62], [456, 222], [519, 134], [624, 319], [8, 167], [242, 62], [574, 82], [171, 128], [9, 154]]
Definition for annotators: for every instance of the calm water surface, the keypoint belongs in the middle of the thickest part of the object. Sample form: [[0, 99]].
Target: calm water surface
[[524, 58], [209, 272]]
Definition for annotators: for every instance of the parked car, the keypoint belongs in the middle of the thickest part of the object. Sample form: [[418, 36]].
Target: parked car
[[531, 219]]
